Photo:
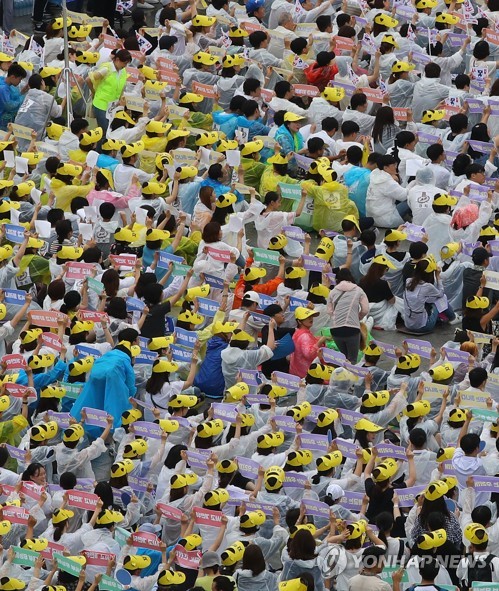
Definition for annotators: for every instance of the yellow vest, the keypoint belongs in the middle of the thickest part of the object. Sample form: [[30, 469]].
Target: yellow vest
[[109, 89]]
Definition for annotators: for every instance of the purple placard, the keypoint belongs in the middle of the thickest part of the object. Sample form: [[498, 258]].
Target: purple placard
[[316, 508], [414, 233], [295, 480], [357, 370], [468, 247], [450, 156], [475, 105], [314, 442], [427, 138], [214, 282], [328, 233], [289, 381], [352, 501], [285, 423], [185, 338], [16, 453], [14, 296], [486, 484], [494, 247], [347, 448], [456, 355], [252, 377], [134, 304], [449, 468], [165, 258], [95, 417], [389, 450], [456, 39], [61, 418], [294, 232], [422, 348], [138, 483], [388, 349], [406, 12], [247, 468], [144, 404], [267, 508], [257, 399], [407, 496], [263, 318], [302, 162], [225, 412], [311, 263], [482, 147], [196, 460], [208, 307], [350, 417], [85, 484], [181, 354], [297, 303], [266, 300], [147, 429], [333, 357], [418, 57], [347, 87]]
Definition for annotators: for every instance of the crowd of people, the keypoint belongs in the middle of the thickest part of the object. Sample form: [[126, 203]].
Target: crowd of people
[[215, 223]]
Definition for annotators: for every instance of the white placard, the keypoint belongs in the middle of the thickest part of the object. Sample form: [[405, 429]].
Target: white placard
[[43, 228]]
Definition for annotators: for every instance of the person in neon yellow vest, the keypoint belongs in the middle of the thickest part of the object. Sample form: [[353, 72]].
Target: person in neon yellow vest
[[107, 84]]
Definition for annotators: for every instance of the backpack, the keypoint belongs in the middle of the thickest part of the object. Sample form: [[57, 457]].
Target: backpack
[[480, 570]]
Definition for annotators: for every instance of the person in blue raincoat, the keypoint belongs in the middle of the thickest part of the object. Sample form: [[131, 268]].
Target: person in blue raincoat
[[111, 382]]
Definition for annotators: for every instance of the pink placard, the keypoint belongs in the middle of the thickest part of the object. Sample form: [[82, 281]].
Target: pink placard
[[51, 548], [82, 500], [204, 90], [375, 95], [207, 517], [93, 316], [52, 340], [98, 558], [16, 515], [32, 490], [14, 361], [141, 539], [18, 390], [124, 260], [46, 318], [170, 512], [187, 559], [164, 62], [79, 271], [306, 90], [218, 254]]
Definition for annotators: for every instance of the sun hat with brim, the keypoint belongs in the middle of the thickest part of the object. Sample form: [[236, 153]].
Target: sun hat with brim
[[136, 562], [206, 59], [11, 584], [448, 19], [182, 401], [432, 540], [183, 480], [5, 57], [444, 199], [251, 147], [132, 149], [88, 138], [123, 116], [188, 97], [367, 425], [302, 313], [442, 372], [164, 366], [191, 317], [417, 409], [48, 71], [170, 577], [394, 236], [477, 302], [385, 470], [375, 399], [87, 57], [240, 335], [329, 461], [108, 516], [210, 428], [33, 158], [390, 39], [386, 21], [380, 259], [435, 490], [216, 497], [402, 66], [202, 20], [60, 515], [334, 95], [277, 159], [430, 115], [476, 533], [445, 453], [290, 117]]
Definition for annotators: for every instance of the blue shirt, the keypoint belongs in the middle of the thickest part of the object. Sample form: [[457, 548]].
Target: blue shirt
[[10, 101]]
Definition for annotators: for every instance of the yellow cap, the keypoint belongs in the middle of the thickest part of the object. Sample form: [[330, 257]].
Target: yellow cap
[[334, 95], [417, 409], [442, 372], [432, 115]]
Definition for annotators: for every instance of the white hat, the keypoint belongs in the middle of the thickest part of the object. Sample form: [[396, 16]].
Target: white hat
[[335, 492], [252, 296]]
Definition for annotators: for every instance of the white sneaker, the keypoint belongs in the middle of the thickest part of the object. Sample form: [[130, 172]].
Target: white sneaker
[[457, 319]]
